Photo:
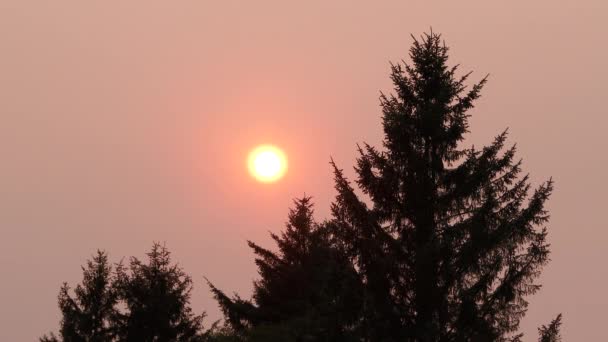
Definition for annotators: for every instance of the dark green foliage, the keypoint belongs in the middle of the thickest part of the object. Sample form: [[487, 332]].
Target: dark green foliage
[[452, 241], [550, 333], [89, 315], [307, 291]]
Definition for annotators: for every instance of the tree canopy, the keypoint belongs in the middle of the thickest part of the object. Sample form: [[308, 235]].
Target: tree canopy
[[308, 289], [433, 241], [142, 302], [450, 239], [89, 315]]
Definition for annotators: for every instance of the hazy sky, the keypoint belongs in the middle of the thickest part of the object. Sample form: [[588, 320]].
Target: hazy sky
[[128, 122]]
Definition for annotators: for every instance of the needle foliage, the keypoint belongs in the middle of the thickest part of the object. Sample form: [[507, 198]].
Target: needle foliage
[[433, 241], [448, 240]]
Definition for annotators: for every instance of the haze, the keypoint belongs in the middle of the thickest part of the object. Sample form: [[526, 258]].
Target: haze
[[129, 122]]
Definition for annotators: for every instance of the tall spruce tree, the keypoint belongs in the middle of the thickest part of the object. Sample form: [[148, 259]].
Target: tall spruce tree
[[89, 315], [308, 290], [157, 299], [450, 239]]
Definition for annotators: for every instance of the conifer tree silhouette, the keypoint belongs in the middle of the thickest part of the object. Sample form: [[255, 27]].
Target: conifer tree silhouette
[[89, 315], [449, 240], [550, 333], [143, 302], [444, 245], [157, 299], [307, 291]]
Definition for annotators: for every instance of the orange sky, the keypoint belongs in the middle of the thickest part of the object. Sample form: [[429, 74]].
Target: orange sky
[[130, 122]]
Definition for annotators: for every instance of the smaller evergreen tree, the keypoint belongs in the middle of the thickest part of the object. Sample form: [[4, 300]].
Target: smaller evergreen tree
[[140, 302], [88, 316], [156, 295], [550, 333], [308, 290]]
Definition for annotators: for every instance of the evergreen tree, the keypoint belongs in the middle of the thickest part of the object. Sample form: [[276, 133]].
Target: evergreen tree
[[307, 291], [551, 333], [89, 315], [452, 240], [156, 295]]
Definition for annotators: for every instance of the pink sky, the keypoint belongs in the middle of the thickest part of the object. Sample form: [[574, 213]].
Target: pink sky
[[129, 122]]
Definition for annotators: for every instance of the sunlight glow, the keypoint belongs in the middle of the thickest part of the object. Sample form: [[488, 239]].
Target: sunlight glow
[[267, 163]]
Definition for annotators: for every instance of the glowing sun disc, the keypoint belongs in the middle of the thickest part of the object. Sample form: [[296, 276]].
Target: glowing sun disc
[[267, 163]]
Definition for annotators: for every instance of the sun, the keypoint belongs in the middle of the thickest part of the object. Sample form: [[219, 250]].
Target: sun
[[267, 163]]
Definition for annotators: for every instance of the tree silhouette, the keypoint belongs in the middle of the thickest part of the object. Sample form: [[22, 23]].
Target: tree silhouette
[[551, 333], [89, 315], [156, 295], [307, 291], [452, 241], [144, 302], [443, 245]]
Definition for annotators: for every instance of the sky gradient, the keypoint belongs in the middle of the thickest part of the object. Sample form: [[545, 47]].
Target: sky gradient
[[130, 122]]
